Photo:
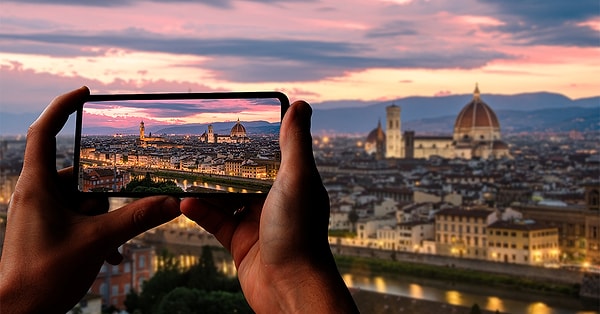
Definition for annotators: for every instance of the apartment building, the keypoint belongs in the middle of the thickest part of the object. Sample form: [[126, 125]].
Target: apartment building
[[462, 232], [523, 242]]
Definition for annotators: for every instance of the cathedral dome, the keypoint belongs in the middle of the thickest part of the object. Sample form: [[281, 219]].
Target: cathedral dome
[[375, 139], [476, 121], [238, 130]]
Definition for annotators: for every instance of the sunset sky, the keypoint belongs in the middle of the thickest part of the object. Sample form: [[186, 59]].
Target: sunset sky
[[128, 114], [320, 50]]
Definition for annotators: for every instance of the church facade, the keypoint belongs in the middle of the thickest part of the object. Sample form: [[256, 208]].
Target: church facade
[[236, 135], [476, 135]]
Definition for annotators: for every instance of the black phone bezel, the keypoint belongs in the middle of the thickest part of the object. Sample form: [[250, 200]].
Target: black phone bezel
[[283, 99]]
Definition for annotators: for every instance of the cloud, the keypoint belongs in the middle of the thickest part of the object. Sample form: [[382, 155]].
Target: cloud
[[544, 12], [223, 4], [539, 22], [393, 29], [25, 90], [270, 60]]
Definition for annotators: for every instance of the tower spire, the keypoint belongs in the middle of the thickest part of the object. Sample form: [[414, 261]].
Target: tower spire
[[476, 92]]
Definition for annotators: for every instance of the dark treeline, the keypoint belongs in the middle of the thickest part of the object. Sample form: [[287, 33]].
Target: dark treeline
[[200, 289]]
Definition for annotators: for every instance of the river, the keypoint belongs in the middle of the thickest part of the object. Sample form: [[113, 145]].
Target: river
[[184, 184], [462, 294]]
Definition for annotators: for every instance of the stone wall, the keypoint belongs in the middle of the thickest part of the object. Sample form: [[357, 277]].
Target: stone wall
[[590, 286], [550, 275]]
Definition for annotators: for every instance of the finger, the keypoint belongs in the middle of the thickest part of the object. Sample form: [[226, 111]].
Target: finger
[[86, 204], [114, 258], [119, 226], [296, 140], [40, 152]]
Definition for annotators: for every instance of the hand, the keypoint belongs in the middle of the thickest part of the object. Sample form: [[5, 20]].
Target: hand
[[53, 248], [280, 247]]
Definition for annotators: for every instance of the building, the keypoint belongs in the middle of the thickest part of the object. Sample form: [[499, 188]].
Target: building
[[462, 232], [251, 169], [393, 146], [375, 144], [522, 242], [476, 134], [411, 235], [578, 228], [236, 135], [103, 179], [114, 282]]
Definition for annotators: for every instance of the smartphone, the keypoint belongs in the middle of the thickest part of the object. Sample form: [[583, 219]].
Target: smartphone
[[181, 144]]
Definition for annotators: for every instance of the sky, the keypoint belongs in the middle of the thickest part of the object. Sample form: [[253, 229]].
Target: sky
[[128, 114], [317, 50]]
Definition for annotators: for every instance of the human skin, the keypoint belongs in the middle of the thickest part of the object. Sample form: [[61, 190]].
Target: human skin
[[280, 244], [55, 242]]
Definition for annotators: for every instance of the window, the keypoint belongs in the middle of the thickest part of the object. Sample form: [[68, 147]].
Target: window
[[142, 261], [114, 290]]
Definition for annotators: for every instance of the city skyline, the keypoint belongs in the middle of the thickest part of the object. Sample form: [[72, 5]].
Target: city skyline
[[320, 51]]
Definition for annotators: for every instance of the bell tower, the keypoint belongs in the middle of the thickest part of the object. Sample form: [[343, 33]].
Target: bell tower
[[393, 134], [142, 131]]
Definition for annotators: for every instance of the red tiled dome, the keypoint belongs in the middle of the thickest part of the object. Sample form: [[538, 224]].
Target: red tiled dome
[[238, 130], [476, 114]]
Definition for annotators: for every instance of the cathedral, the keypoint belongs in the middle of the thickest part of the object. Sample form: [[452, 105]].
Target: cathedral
[[476, 135], [236, 135]]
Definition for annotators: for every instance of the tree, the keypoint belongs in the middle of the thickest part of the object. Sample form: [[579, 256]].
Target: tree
[[167, 278], [205, 276], [148, 185], [475, 309], [132, 301], [186, 300]]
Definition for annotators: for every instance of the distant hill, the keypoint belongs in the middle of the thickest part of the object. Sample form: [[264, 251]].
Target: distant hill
[[512, 121], [436, 115]]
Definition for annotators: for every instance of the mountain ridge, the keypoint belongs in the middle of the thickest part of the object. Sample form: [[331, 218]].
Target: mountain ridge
[[419, 113]]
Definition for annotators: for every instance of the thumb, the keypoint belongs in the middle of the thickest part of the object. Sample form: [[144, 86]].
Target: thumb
[[295, 139], [139, 216]]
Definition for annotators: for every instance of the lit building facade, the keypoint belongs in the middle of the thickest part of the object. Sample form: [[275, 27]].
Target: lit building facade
[[462, 233], [523, 242]]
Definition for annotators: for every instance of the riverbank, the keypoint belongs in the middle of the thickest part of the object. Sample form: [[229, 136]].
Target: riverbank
[[235, 182], [379, 303], [367, 265]]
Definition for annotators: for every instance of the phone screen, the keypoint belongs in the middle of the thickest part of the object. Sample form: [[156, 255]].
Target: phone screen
[[179, 144]]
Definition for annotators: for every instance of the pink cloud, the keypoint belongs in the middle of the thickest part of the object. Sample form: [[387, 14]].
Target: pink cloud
[[26, 90]]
